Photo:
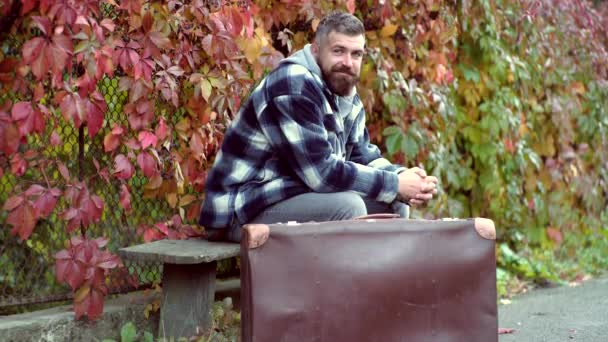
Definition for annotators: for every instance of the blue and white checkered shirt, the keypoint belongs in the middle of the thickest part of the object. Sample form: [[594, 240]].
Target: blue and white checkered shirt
[[290, 137]]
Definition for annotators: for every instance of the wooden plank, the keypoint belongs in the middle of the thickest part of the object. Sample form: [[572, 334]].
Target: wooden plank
[[188, 293], [194, 251]]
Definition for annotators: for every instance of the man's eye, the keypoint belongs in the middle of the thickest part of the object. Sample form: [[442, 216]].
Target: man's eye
[[358, 54], [338, 51]]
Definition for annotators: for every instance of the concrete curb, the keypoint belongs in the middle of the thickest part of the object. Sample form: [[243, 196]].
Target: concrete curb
[[59, 324]]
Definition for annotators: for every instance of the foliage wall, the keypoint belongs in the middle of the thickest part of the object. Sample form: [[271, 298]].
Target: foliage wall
[[503, 100]]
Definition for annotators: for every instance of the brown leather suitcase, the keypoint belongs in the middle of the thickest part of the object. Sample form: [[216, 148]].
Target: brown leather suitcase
[[369, 280]]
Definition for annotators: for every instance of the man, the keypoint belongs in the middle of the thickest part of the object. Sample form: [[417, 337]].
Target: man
[[298, 149]]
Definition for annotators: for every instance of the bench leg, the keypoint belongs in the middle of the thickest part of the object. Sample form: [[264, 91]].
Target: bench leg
[[188, 294]]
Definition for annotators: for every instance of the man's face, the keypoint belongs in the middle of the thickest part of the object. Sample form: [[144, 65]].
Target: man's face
[[339, 57]]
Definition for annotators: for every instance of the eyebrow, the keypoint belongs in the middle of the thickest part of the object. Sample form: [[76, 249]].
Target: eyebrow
[[340, 46]]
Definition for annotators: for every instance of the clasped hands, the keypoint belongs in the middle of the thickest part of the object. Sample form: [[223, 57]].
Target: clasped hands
[[415, 187]]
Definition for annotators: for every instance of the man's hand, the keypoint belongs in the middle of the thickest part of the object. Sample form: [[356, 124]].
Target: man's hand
[[416, 187]]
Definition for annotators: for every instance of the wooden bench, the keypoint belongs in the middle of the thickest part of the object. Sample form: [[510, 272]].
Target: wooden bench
[[188, 280]]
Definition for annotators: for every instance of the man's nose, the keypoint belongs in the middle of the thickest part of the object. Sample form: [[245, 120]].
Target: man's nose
[[347, 60]]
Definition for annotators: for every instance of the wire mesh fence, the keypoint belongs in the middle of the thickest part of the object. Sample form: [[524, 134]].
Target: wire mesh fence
[[27, 274]]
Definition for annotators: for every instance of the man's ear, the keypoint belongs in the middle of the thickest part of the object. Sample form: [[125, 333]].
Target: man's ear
[[314, 48]]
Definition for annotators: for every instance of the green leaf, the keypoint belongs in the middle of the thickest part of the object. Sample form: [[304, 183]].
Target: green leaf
[[82, 46], [470, 73], [393, 143], [128, 332], [391, 130], [409, 146], [148, 337], [535, 159]]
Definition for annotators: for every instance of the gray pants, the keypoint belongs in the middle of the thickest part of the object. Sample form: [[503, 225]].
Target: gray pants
[[320, 207]]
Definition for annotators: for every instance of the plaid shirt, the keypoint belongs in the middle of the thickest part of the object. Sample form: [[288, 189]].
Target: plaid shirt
[[289, 138]]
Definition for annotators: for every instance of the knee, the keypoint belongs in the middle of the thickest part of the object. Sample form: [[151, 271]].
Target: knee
[[349, 205]]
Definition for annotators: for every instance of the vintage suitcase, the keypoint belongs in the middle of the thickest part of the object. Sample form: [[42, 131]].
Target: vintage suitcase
[[369, 280]]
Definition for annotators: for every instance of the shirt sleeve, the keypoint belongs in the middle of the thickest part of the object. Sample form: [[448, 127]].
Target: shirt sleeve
[[294, 126]]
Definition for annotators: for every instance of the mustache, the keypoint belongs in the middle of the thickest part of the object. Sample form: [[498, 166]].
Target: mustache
[[344, 69]]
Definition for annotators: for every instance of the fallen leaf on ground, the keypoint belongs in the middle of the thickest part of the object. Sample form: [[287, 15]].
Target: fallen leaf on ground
[[502, 331]]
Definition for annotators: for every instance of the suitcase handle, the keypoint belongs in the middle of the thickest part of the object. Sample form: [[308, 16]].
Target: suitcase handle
[[381, 216]]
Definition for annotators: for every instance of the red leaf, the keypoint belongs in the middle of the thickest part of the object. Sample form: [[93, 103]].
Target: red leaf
[[197, 146], [350, 6], [123, 169], [112, 140], [159, 40], [147, 139], [132, 6], [55, 139], [68, 270], [108, 261], [13, 202], [43, 23], [63, 13], [38, 92], [502, 331], [141, 114], [152, 234], [108, 24], [86, 84], [9, 135], [28, 5], [95, 113], [63, 170], [147, 22], [35, 190], [91, 304], [23, 219], [101, 242], [162, 131], [163, 228], [34, 53], [23, 116], [39, 118], [147, 164], [72, 107], [104, 62], [555, 235], [125, 197], [18, 165], [47, 201], [85, 208]]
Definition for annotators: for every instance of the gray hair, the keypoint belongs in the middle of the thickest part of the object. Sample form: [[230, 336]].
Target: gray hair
[[340, 22]]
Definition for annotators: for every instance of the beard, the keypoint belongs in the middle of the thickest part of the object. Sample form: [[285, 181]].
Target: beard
[[340, 79]]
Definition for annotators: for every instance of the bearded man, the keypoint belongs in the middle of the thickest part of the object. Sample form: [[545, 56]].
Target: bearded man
[[298, 149]]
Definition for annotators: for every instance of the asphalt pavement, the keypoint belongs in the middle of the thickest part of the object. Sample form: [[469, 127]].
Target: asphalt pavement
[[564, 313]]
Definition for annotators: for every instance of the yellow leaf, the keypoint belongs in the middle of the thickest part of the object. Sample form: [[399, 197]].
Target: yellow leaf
[[388, 30], [315, 24], [172, 199], [185, 200], [388, 44], [205, 89], [299, 40], [82, 293], [523, 130], [154, 183], [179, 178], [578, 88], [183, 128], [252, 48]]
